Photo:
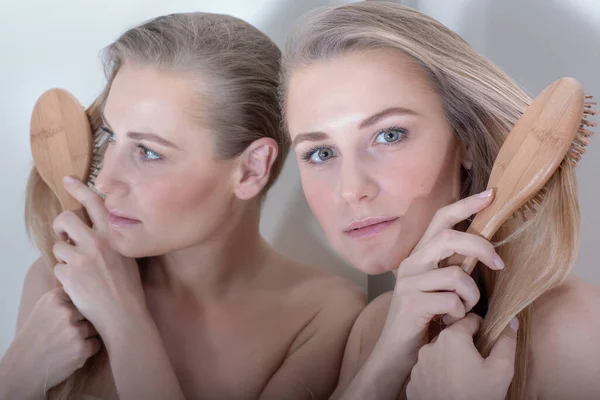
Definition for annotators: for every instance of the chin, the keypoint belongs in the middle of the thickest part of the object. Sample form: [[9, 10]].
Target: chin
[[377, 261], [131, 249], [371, 266]]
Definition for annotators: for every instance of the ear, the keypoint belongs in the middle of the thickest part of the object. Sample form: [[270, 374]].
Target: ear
[[254, 168], [467, 157]]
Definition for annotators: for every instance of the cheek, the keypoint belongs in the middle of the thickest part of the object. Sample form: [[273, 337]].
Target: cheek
[[178, 197], [425, 185], [429, 172], [420, 183], [319, 190]]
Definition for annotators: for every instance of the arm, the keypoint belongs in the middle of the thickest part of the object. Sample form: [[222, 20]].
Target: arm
[[39, 280], [16, 374], [565, 345], [49, 344], [367, 370], [396, 325], [107, 289], [137, 357], [311, 369]]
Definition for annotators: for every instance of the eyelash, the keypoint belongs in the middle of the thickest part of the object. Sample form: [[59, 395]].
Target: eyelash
[[307, 155], [143, 149]]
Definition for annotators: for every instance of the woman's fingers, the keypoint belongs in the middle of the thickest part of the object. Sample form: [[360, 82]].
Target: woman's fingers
[[64, 252], [445, 244], [443, 303], [451, 279], [86, 329], [447, 217], [69, 224], [93, 204]]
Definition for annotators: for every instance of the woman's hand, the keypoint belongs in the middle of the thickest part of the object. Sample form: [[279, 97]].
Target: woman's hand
[[107, 289], [423, 290], [104, 285], [451, 368], [53, 343]]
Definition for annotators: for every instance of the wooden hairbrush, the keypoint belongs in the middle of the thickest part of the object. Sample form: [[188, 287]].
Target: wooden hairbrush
[[551, 129], [62, 144]]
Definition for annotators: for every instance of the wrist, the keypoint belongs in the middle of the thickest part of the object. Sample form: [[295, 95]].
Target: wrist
[[123, 321], [129, 332], [17, 380], [382, 376], [391, 361], [397, 352]]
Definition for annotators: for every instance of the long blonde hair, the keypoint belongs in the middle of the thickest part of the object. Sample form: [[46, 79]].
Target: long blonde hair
[[481, 104], [235, 66]]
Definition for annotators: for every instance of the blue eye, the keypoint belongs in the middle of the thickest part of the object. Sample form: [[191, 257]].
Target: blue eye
[[319, 155], [145, 153], [390, 135], [110, 134], [149, 155]]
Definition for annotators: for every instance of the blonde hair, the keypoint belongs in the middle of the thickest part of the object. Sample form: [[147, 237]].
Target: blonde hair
[[481, 104], [235, 65]]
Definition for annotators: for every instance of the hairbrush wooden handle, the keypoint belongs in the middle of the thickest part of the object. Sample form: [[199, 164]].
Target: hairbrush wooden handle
[[466, 263]]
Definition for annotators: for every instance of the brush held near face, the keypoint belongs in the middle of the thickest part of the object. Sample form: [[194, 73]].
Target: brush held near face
[[61, 142], [552, 130]]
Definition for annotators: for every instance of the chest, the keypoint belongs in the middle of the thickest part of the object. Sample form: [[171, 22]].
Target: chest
[[230, 354], [227, 352]]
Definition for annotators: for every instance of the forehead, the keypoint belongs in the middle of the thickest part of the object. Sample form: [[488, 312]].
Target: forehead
[[353, 84], [149, 87]]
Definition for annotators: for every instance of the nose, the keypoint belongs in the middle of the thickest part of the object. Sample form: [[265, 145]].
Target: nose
[[110, 180], [356, 184]]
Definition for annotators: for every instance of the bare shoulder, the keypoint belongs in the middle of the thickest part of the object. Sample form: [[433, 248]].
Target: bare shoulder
[[38, 281], [319, 287], [367, 329], [370, 323], [362, 340], [321, 308], [565, 344]]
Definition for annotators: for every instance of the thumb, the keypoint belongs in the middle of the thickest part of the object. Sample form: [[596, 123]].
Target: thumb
[[505, 348]]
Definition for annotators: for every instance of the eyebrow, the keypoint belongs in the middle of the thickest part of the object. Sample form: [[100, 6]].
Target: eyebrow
[[375, 118], [310, 136], [150, 137], [367, 122]]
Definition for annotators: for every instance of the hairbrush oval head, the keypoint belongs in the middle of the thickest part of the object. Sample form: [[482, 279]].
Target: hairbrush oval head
[[61, 142], [550, 131]]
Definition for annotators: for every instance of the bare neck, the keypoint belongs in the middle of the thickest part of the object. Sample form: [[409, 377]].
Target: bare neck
[[228, 261]]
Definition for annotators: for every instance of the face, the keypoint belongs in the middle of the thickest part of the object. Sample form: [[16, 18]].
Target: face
[[376, 154], [165, 188]]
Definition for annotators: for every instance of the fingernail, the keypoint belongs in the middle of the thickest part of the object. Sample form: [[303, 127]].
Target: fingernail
[[68, 180], [486, 194], [498, 261], [514, 324]]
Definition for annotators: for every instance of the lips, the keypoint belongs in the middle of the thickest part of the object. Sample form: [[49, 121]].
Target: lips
[[120, 219], [369, 227]]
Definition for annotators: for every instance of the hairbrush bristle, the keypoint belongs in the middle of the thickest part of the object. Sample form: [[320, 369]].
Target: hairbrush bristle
[[581, 139], [573, 156], [100, 143]]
